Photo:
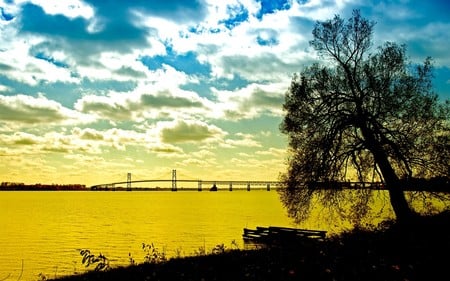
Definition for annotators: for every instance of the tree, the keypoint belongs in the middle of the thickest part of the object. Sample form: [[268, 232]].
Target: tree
[[373, 115]]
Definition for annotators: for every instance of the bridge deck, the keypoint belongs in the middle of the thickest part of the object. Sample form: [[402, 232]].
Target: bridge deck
[[248, 183], [200, 182]]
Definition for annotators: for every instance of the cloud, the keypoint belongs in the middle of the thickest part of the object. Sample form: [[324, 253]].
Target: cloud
[[189, 131], [164, 150], [146, 102], [120, 139], [51, 44], [270, 66], [242, 140], [89, 134], [114, 31], [431, 39], [27, 143], [165, 99], [269, 49], [395, 11], [251, 101], [33, 65], [21, 138], [23, 110], [88, 141], [104, 107], [69, 8], [273, 152], [4, 89], [179, 11]]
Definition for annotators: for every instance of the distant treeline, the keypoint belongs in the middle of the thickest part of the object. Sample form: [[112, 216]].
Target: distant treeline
[[40, 187]]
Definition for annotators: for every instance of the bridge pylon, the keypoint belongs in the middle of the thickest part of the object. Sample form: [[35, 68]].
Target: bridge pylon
[[174, 180], [129, 182]]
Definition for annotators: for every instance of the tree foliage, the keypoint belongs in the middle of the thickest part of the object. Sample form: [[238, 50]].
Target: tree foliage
[[363, 115]]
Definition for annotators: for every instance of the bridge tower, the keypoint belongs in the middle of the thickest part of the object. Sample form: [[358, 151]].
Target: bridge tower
[[129, 182], [174, 180]]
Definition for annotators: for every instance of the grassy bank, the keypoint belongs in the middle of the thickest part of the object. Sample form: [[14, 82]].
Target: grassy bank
[[417, 252]]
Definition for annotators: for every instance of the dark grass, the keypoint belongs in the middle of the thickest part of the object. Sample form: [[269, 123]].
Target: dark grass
[[419, 251]]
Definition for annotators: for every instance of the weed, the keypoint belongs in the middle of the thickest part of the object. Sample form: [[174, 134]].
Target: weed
[[219, 249], [201, 251], [102, 262], [234, 245], [152, 254], [131, 259], [178, 252]]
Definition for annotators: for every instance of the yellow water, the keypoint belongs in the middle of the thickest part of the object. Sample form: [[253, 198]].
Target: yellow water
[[41, 232]]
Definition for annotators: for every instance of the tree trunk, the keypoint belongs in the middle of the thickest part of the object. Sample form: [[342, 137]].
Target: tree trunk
[[397, 197]]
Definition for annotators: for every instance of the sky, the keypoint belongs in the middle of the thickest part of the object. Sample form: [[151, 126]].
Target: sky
[[92, 90]]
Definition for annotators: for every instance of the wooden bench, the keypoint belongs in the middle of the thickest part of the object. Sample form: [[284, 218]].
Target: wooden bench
[[274, 234]]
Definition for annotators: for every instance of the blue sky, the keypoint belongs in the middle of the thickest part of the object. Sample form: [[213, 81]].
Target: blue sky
[[92, 90]]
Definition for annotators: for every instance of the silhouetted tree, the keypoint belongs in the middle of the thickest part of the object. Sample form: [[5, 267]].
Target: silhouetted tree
[[371, 115]]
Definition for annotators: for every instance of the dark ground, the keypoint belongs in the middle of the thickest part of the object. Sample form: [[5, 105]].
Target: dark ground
[[420, 251]]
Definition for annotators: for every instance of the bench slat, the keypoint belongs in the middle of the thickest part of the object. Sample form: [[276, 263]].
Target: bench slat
[[274, 233]]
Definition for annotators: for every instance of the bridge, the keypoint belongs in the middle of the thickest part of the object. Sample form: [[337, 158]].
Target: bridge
[[212, 185]]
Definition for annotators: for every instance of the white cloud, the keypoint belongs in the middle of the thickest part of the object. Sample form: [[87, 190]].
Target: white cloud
[[273, 152], [236, 51], [19, 65], [87, 141], [68, 8], [243, 140], [4, 89], [23, 110], [251, 101], [160, 99], [179, 131], [115, 66]]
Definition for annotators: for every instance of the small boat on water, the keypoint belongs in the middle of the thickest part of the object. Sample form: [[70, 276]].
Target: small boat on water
[[213, 188]]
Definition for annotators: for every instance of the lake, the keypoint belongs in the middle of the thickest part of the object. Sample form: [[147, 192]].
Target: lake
[[41, 232]]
